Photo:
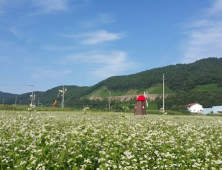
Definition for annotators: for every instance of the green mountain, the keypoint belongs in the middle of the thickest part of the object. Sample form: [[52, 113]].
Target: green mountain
[[180, 77], [48, 97], [4, 96], [198, 78]]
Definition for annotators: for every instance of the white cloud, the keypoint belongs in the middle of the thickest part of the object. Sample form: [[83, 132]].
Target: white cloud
[[105, 18], [54, 47], [103, 64], [204, 35], [101, 36], [39, 72], [15, 31], [216, 8], [37, 6], [47, 6], [97, 37], [100, 19]]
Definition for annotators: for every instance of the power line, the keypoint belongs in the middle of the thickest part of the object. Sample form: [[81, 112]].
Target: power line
[[13, 85]]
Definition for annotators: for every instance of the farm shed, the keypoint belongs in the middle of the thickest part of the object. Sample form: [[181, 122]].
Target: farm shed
[[207, 110], [217, 109], [214, 110], [195, 108]]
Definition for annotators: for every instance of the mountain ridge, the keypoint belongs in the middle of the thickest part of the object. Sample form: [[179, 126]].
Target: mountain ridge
[[179, 77]]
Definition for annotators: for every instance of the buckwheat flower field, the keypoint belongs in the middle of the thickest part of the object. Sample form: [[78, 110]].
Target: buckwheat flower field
[[65, 140]]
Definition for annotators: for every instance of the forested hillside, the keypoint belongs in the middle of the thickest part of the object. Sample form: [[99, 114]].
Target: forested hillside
[[200, 81], [180, 77], [6, 95], [48, 97]]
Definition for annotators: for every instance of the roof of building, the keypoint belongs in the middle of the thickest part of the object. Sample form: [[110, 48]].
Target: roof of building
[[191, 104], [141, 98]]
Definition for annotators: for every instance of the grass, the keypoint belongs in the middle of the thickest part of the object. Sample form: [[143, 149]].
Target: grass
[[157, 89], [208, 88], [152, 105], [104, 93], [94, 92], [132, 92]]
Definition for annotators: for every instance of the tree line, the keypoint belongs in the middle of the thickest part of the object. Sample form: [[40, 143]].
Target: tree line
[[180, 78]]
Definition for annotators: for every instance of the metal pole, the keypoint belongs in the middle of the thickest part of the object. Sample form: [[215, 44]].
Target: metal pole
[[163, 93], [32, 98], [15, 100], [109, 96], [63, 97], [109, 100]]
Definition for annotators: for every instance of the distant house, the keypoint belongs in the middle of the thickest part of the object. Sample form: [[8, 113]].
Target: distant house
[[195, 108]]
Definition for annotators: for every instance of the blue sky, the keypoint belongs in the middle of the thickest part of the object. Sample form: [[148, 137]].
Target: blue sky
[[82, 42]]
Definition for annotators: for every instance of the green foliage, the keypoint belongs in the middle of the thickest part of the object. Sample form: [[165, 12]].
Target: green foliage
[[157, 89], [94, 92], [182, 81], [68, 140], [132, 92], [104, 93], [181, 99], [180, 77], [13, 107], [208, 88], [152, 105], [4, 96], [47, 98]]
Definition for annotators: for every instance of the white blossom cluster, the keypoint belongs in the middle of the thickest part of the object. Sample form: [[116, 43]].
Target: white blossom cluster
[[66, 140]]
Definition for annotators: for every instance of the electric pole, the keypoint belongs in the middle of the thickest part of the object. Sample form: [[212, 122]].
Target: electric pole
[[109, 96], [109, 100], [15, 100], [32, 96], [63, 98], [163, 93]]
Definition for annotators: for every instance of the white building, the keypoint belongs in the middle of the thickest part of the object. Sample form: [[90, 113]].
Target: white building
[[213, 110], [195, 108], [207, 110], [217, 109]]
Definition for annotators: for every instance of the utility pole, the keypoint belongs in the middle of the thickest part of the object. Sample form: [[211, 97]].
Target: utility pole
[[63, 98], [62, 95], [109, 100], [109, 96], [15, 100], [32, 96], [163, 94]]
